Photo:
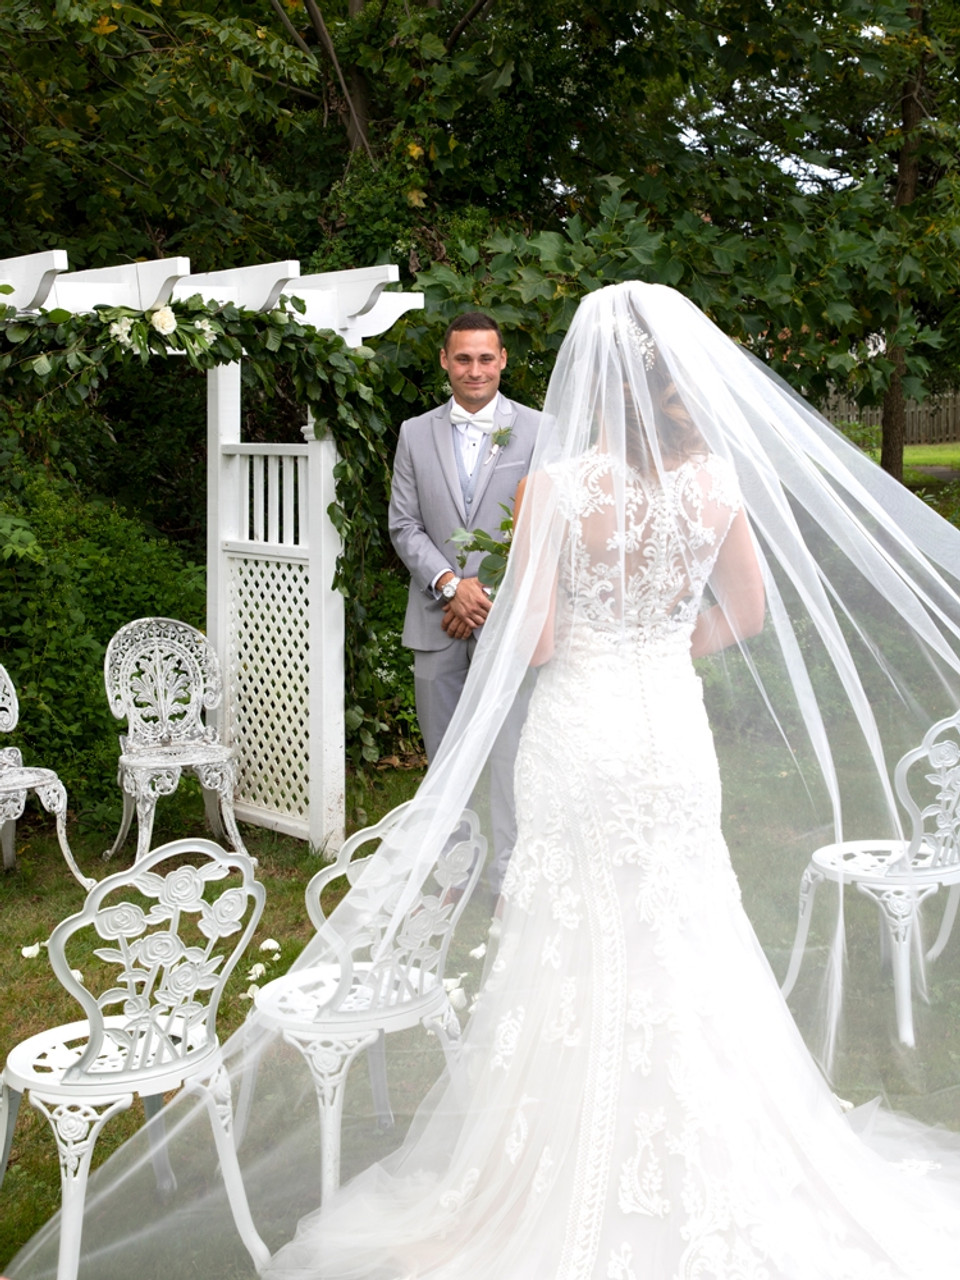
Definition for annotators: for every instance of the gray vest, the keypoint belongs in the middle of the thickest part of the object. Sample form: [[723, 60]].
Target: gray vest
[[468, 484]]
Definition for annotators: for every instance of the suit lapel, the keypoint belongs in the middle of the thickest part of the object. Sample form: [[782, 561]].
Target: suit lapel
[[503, 420], [443, 443]]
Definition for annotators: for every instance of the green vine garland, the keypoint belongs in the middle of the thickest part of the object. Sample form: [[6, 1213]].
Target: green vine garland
[[61, 354]]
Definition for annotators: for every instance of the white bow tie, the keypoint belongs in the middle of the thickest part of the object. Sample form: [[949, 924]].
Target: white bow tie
[[482, 419]]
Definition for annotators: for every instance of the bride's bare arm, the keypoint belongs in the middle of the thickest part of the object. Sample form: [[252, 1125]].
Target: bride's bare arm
[[737, 585], [543, 651]]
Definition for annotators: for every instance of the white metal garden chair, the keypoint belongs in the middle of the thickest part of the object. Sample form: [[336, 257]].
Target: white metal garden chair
[[161, 676], [167, 932], [331, 1012], [900, 874], [18, 779]]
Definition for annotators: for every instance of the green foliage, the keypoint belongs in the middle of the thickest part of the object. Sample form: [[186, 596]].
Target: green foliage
[[495, 550], [134, 131], [864, 435], [82, 570], [383, 682]]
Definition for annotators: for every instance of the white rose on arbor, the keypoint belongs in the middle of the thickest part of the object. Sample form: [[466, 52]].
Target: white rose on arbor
[[163, 320]]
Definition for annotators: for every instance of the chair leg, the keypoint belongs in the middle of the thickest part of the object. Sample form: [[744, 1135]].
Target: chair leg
[[129, 808], [218, 1098], [157, 1137], [946, 925], [9, 1106], [809, 883], [211, 808], [220, 781], [8, 842], [76, 1127], [54, 800], [377, 1067], [147, 786], [900, 909], [329, 1059]]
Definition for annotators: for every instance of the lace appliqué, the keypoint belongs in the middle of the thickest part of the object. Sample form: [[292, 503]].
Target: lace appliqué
[[507, 1037], [641, 1178], [564, 1026]]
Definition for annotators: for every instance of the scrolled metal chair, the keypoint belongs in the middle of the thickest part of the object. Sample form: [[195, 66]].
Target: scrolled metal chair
[[159, 941], [161, 676], [900, 874], [17, 780]]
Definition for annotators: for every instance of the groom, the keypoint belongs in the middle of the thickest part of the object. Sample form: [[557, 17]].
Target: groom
[[454, 467]]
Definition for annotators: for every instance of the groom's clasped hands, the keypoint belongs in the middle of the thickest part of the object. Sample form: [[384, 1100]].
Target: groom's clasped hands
[[468, 609]]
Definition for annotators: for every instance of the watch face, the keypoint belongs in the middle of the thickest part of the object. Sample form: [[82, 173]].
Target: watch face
[[449, 589]]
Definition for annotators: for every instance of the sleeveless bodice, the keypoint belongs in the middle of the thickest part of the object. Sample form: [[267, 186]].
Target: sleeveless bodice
[[638, 552]]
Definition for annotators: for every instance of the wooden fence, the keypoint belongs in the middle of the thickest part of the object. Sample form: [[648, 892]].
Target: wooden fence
[[936, 421]]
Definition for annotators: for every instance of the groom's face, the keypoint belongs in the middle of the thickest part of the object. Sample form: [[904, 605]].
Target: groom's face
[[473, 359]]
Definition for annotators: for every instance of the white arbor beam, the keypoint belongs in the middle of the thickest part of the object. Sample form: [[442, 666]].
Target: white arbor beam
[[32, 277], [256, 288], [352, 303], [141, 286]]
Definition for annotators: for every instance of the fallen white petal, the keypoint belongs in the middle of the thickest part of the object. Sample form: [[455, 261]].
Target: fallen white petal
[[31, 952], [479, 952], [269, 944]]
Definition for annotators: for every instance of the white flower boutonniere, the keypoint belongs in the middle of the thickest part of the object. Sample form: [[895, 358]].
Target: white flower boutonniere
[[498, 440]]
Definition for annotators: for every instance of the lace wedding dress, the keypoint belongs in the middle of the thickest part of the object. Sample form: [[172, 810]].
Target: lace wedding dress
[[633, 1101]]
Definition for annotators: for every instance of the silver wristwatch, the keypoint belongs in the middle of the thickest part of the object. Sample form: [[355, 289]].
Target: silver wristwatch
[[449, 589]]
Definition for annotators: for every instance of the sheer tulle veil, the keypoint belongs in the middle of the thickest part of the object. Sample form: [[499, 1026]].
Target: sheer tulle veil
[[859, 653]]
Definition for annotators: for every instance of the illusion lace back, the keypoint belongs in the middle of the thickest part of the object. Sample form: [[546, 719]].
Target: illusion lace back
[[633, 1101]]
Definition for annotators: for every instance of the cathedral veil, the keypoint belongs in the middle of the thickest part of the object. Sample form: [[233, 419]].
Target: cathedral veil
[[857, 656]]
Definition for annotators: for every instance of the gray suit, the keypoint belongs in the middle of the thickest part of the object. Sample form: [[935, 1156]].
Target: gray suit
[[426, 505]]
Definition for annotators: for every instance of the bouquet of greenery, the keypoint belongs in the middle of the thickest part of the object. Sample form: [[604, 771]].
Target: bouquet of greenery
[[496, 550]]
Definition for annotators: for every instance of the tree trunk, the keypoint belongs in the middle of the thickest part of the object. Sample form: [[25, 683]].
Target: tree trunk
[[894, 419], [358, 126]]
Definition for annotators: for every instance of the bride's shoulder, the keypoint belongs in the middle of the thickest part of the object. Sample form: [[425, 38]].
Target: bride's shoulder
[[716, 478]]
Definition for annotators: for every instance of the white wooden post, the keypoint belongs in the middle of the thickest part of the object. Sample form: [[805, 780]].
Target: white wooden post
[[326, 661], [223, 513]]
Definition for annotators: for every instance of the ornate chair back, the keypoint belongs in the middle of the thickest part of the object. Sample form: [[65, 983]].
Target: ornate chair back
[[931, 773], [161, 675], [411, 966], [9, 706], [168, 933]]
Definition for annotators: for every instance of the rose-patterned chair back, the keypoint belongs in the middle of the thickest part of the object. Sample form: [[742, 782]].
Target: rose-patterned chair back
[[149, 954], [935, 825], [161, 675], [415, 959]]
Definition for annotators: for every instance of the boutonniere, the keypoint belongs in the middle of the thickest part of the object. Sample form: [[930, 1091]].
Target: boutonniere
[[499, 439]]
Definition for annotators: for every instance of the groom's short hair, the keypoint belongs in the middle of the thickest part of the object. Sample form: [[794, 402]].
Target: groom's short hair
[[472, 320]]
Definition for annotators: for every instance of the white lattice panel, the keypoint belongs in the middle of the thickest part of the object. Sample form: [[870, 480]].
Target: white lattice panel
[[268, 691]]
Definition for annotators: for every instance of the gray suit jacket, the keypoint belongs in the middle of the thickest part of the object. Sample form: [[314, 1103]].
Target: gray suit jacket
[[426, 505]]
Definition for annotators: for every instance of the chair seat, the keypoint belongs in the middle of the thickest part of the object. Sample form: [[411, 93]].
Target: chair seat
[[182, 754], [875, 862], [26, 778], [42, 1061], [295, 1002]]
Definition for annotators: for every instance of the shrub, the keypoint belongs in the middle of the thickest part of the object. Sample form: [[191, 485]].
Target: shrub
[[72, 571]]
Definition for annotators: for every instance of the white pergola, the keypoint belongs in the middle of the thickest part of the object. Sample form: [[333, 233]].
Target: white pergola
[[272, 613]]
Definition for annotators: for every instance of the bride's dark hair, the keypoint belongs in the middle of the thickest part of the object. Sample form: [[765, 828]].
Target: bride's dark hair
[[678, 435]]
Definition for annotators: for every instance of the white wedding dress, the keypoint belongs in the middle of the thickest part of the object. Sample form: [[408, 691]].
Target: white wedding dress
[[633, 1100]]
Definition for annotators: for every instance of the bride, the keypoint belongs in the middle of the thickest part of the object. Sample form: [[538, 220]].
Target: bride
[[633, 1099]]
